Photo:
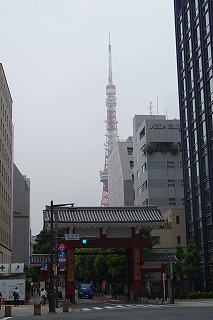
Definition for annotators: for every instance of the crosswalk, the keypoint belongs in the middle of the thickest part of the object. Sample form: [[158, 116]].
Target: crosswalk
[[125, 306]]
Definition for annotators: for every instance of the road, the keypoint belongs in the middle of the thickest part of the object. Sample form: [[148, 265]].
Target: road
[[112, 310]]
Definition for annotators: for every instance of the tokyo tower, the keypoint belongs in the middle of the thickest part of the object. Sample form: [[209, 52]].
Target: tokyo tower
[[111, 129]]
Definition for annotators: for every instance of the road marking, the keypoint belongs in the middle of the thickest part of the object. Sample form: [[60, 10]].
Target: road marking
[[121, 306], [86, 309], [126, 306]]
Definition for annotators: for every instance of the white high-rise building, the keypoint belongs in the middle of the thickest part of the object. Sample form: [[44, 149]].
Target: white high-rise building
[[120, 174]]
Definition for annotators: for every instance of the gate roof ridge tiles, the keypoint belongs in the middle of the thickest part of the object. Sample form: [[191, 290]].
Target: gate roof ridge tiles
[[124, 215]]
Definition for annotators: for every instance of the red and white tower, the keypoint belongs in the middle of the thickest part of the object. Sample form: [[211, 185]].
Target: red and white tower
[[111, 130]]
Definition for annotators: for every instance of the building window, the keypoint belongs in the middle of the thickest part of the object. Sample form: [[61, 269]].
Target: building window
[[145, 203], [139, 191], [177, 219], [143, 168], [156, 240], [171, 183], [178, 240], [130, 151], [144, 186], [172, 202], [131, 163], [210, 90], [142, 133], [138, 174], [170, 164]]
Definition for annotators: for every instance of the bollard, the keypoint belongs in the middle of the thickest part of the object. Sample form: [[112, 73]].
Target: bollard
[[65, 307], [8, 311], [37, 309]]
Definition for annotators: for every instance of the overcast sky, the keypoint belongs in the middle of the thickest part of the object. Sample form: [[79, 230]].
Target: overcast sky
[[55, 56]]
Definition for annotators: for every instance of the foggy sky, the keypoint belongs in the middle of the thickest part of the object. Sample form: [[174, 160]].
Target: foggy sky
[[55, 57]]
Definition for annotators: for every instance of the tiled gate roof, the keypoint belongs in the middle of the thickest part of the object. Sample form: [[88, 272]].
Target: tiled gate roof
[[104, 215]]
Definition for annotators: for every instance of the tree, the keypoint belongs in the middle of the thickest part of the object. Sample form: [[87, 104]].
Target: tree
[[43, 244], [191, 262], [178, 267], [101, 267]]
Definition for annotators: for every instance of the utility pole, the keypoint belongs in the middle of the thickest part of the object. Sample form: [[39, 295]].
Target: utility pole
[[56, 259], [51, 287]]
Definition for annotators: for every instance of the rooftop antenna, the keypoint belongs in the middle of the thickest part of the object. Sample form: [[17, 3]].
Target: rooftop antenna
[[166, 115], [150, 108], [157, 105]]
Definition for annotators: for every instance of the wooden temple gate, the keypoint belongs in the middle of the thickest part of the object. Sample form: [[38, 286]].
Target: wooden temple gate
[[112, 227]]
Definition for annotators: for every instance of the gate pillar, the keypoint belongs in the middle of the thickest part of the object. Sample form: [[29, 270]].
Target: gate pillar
[[137, 280], [70, 276], [134, 278]]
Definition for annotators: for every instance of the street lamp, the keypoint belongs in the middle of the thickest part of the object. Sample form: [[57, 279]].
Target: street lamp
[[51, 286], [171, 283]]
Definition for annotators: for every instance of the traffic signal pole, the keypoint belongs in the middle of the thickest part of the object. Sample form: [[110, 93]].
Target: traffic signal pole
[[51, 287]]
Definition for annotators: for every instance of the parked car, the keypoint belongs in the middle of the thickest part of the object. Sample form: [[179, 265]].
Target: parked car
[[85, 290]]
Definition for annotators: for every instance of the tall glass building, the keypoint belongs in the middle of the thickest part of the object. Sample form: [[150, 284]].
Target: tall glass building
[[194, 45]]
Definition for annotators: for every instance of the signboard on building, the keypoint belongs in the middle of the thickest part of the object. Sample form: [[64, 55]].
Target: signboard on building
[[8, 286], [72, 236]]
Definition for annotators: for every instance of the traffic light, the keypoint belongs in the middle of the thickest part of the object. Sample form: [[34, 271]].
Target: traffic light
[[88, 240]]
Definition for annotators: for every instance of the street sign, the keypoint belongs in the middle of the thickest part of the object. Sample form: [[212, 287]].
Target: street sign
[[72, 236], [62, 256], [62, 265], [61, 247], [43, 266]]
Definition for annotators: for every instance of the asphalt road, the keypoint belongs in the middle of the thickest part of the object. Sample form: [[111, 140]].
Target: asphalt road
[[93, 310]]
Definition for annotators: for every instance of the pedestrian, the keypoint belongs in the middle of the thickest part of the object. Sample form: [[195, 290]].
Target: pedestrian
[[43, 296], [16, 297], [1, 301]]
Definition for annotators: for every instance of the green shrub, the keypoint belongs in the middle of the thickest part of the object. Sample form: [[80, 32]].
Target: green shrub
[[198, 295], [194, 295], [207, 294]]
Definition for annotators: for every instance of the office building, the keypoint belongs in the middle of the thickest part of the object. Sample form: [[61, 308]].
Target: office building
[[120, 174], [194, 47], [21, 217], [158, 175], [6, 167]]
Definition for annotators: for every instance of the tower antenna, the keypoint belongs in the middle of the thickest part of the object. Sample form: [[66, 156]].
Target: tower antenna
[[111, 129], [110, 62]]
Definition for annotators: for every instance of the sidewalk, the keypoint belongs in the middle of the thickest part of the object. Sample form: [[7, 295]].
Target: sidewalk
[[28, 310]]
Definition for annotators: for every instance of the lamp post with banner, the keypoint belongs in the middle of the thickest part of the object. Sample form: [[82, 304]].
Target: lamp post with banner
[[52, 304], [164, 288]]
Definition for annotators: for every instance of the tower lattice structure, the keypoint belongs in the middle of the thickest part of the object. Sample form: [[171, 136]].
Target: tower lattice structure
[[111, 129]]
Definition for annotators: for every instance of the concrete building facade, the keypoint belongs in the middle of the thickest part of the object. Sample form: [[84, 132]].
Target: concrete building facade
[[172, 234], [158, 178], [21, 217], [120, 174], [6, 167]]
